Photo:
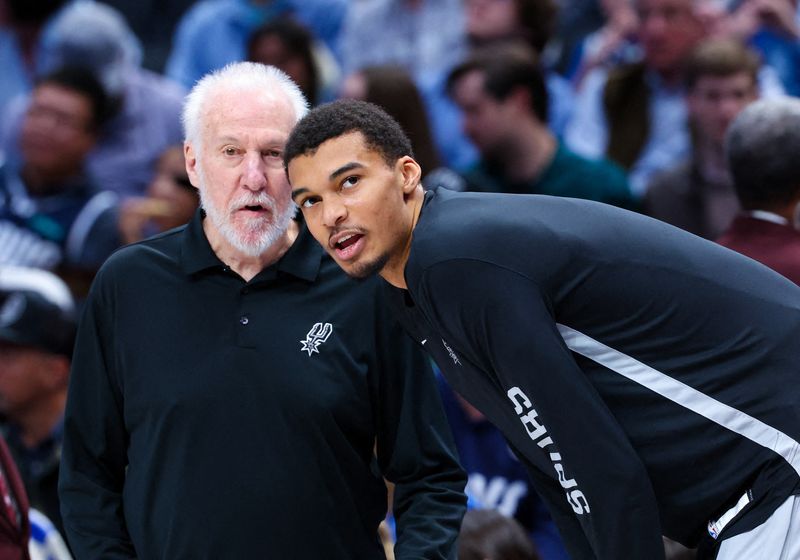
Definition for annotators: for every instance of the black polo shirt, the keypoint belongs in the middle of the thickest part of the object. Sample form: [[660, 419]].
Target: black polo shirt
[[209, 417]]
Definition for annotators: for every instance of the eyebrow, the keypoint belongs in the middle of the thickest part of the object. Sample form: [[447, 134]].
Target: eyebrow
[[335, 173]]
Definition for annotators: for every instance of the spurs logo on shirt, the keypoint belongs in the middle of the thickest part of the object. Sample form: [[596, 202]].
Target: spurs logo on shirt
[[318, 334]]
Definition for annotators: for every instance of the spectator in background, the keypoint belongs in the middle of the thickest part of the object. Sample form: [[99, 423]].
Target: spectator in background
[[51, 213], [503, 97], [392, 88], [488, 535], [36, 337], [496, 478], [146, 115], [770, 27], [170, 201], [762, 147], [289, 46], [492, 22], [697, 194], [635, 114], [612, 44], [427, 38], [213, 33], [21, 24]]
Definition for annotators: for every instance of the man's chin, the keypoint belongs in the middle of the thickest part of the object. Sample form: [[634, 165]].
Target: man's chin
[[362, 270]]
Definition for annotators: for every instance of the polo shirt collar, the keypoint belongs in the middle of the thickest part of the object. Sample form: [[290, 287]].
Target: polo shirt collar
[[303, 259]]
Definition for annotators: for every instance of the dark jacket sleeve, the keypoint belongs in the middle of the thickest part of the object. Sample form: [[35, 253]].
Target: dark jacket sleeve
[[416, 450], [93, 463], [502, 322]]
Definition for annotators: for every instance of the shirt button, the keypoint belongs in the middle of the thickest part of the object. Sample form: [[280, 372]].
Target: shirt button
[[244, 320]]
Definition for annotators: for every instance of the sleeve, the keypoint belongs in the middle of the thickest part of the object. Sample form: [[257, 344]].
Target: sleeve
[[501, 321], [93, 462], [416, 451]]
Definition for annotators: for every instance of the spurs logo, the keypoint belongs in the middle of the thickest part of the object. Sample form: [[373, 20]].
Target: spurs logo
[[318, 334]]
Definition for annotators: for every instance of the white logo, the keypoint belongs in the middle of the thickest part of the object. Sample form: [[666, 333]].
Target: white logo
[[424, 340], [12, 309], [318, 334], [452, 354]]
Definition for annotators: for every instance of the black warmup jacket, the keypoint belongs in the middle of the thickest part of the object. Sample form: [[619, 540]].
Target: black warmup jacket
[[213, 418], [648, 378]]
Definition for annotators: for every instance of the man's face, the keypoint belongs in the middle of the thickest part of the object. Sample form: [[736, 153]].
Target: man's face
[[354, 202], [490, 19], [486, 121], [271, 50], [714, 102], [238, 170], [668, 30], [57, 130], [22, 371]]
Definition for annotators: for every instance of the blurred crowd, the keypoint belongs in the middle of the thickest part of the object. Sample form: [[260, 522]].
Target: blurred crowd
[[627, 102]]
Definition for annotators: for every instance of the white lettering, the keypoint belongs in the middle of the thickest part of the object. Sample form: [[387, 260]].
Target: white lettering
[[523, 407]]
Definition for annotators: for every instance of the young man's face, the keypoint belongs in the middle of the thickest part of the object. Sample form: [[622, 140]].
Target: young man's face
[[57, 130], [354, 202], [485, 120], [714, 102], [238, 170]]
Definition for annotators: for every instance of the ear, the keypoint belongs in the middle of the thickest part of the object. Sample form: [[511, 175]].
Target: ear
[[190, 158], [411, 174]]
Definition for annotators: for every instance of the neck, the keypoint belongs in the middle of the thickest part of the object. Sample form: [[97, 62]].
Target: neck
[[248, 266], [530, 154], [37, 424], [394, 270]]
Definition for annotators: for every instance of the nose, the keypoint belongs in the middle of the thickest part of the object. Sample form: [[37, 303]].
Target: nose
[[333, 212], [254, 174]]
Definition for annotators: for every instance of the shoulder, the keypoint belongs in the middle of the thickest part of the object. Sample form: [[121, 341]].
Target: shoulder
[[140, 256], [500, 229]]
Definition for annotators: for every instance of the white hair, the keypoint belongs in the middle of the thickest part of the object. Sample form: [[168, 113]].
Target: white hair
[[250, 77]]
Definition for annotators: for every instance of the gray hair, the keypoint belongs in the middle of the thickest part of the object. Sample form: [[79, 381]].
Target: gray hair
[[251, 77], [95, 36], [762, 147]]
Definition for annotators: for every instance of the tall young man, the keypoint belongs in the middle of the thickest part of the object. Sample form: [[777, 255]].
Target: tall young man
[[647, 378]]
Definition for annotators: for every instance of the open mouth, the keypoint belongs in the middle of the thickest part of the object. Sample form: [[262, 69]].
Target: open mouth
[[348, 246], [255, 208]]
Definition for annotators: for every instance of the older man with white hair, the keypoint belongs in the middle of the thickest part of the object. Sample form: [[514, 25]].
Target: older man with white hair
[[761, 148], [233, 393]]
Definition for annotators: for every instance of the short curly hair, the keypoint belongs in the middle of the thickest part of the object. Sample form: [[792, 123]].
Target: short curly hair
[[381, 132]]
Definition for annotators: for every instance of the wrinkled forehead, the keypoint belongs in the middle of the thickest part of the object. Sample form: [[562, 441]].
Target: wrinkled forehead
[[250, 108]]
